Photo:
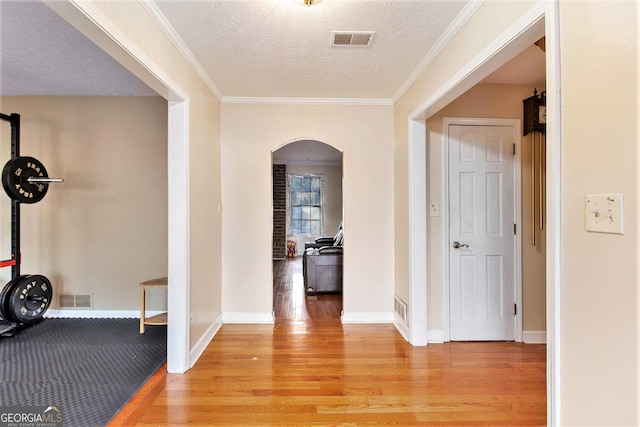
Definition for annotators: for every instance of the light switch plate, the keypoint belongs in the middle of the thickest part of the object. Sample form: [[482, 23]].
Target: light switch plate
[[605, 213], [434, 209]]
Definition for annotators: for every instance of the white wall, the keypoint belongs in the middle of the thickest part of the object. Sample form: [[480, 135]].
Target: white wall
[[364, 134], [104, 229]]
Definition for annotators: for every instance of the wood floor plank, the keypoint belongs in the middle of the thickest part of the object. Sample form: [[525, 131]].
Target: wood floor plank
[[315, 372]]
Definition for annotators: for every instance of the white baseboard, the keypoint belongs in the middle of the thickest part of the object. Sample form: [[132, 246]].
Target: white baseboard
[[383, 317], [401, 327], [99, 314], [204, 341], [534, 337], [435, 336], [248, 318]]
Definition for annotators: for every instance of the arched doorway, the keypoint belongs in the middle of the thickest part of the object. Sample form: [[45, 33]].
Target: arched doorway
[[307, 204]]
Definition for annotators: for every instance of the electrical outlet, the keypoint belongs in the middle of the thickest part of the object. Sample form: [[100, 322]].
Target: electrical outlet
[[604, 213], [434, 209]]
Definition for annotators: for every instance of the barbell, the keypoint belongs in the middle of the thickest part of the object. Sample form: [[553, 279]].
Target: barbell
[[25, 179], [25, 299]]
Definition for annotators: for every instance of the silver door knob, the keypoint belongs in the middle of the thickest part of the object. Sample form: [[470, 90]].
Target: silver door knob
[[458, 245]]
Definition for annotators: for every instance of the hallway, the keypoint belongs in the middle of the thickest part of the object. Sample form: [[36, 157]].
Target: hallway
[[290, 303], [311, 369]]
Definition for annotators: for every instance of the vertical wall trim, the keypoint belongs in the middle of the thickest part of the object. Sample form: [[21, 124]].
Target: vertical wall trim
[[90, 21], [554, 212], [178, 301], [418, 233]]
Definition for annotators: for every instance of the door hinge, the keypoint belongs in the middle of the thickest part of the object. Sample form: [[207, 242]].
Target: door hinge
[[515, 229], [514, 149], [515, 309]]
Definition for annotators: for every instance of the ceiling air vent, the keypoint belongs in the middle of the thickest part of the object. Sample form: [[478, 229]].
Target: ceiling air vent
[[351, 38]]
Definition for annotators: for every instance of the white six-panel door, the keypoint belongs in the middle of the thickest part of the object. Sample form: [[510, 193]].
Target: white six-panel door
[[481, 232]]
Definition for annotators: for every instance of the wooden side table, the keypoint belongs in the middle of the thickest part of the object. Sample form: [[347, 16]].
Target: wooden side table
[[158, 319]]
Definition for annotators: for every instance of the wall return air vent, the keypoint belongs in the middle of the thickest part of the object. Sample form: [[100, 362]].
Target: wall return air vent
[[75, 301], [351, 38]]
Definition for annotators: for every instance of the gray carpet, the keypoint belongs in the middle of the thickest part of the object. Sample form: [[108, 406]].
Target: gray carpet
[[88, 368]]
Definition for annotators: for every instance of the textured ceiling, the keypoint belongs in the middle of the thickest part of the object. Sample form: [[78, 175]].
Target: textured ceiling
[[247, 49], [43, 55], [278, 48]]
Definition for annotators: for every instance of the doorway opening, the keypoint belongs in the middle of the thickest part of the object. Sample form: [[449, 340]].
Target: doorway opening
[[506, 87], [483, 249], [307, 206], [540, 21]]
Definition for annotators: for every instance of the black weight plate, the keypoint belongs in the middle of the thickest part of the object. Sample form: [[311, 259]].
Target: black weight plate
[[5, 301], [30, 298], [14, 179]]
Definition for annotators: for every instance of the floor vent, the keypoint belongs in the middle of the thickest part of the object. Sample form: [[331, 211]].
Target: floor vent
[[351, 38], [400, 309], [75, 301]]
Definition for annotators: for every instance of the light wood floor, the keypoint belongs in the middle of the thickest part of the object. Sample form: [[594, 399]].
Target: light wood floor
[[320, 372], [289, 301]]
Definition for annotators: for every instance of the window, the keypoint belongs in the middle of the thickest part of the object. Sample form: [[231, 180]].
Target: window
[[305, 205]]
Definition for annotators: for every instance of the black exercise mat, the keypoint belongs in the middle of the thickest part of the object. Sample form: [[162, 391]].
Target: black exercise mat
[[88, 368]]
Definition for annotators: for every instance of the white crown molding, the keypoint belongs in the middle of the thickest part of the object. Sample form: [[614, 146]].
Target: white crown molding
[[514, 39], [444, 39], [171, 33], [307, 101], [93, 14]]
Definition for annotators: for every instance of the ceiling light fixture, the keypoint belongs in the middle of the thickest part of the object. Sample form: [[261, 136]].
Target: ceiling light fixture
[[307, 2]]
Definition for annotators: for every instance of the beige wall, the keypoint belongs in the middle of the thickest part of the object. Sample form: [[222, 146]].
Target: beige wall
[[332, 199], [488, 22], [598, 324], [600, 285], [205, 224], [249, 134], [486, 101], [5, 202], [104, 229]]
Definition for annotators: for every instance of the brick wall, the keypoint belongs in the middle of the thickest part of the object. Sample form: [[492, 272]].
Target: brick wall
[[279, 250]]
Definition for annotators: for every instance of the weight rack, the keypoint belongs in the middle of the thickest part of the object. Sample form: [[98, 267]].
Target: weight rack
[[8, 328], [25, 299], [14, 262]]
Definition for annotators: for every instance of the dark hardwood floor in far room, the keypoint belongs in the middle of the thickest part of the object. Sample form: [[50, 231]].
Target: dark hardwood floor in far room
[[310, 369], [289, 300]]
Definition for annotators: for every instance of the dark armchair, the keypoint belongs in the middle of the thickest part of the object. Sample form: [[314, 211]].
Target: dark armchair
[[322, 264], [320, 242], [323, 270]]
